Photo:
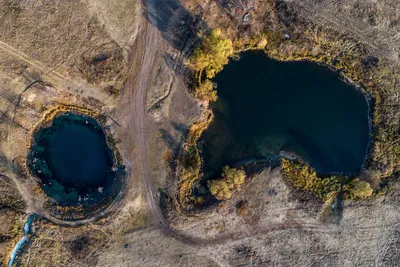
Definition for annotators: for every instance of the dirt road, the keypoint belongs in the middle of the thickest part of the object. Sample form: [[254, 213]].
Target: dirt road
[[135, 95]]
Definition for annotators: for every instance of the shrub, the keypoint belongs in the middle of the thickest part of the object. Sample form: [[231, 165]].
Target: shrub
[[242, 208], [231, 181], [209, 57], [357, 189], [303, 177], [212, 54], [220, 189], [233, 176], [205, 91]]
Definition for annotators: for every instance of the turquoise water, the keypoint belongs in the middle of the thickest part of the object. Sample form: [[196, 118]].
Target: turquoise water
[[266, 106], [72, 159]]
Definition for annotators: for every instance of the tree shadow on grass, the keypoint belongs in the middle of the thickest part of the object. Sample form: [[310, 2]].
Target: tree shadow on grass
[[176, 24], [169, 140]]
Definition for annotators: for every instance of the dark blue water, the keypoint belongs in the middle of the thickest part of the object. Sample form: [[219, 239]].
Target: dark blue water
[[72, 159], [266, 106]]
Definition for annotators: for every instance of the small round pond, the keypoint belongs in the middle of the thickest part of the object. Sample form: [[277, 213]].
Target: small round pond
[[267, 106], [73, 160]]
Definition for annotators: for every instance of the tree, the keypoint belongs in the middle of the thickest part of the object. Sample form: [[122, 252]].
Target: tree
[[205, 91], [231, 181], [233, 176], [303, 177], [210, 56], [220, 189], [358, 189]]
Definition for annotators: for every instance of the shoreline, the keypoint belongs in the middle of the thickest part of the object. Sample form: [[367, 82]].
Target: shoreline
[[77, 213], [341, 74]]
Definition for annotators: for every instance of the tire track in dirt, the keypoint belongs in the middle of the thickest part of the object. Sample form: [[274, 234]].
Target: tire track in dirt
[[141, 122], [54, 77], [24, 57], [379, 46]]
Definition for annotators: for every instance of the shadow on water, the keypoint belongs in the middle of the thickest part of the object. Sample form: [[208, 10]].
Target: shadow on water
[[311, 148], [345, 156]]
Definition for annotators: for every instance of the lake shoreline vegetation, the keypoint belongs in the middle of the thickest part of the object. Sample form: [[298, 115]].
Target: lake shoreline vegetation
[[372, 75]]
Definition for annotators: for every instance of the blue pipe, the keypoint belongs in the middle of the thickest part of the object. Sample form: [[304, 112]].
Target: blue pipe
[[27, 229]]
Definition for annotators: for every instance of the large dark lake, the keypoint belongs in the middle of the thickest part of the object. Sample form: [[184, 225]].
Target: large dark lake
[[267, 106], [72, 159]]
